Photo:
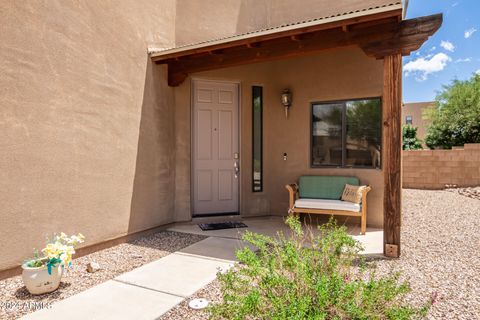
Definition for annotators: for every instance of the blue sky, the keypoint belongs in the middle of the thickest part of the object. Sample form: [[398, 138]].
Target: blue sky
[[452, 53]]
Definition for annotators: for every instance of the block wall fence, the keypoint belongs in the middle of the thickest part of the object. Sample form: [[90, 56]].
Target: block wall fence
[[434, 169]]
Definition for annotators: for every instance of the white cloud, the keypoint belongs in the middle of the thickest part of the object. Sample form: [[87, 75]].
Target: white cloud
[[422, 67], [463, 60], [433, 48], [468, 33], [454, 4], [447, 45]]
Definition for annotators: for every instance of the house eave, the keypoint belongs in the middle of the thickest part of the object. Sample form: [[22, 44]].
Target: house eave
[[276, 32], [379, 33]]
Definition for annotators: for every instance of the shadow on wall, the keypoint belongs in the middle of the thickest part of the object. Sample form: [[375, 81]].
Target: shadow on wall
[[153, 192]]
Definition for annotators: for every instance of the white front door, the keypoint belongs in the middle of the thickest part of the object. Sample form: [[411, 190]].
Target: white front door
[[215, 147]]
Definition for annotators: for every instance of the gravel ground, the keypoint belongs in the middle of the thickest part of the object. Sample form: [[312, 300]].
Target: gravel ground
[[471, 192], [16, 301], [440, 256], [211, 292], [440, 252]]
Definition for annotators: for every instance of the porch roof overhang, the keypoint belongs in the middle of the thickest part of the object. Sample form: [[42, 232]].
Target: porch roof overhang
[[379, 32]]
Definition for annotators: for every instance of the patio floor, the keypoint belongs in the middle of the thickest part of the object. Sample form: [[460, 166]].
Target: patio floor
[[372, 241]]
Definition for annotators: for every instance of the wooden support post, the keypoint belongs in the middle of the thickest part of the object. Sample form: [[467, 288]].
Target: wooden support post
[[392, 153]]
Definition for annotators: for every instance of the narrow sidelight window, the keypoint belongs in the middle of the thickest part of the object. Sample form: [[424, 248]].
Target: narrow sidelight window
[[257, 139], [347, 133]]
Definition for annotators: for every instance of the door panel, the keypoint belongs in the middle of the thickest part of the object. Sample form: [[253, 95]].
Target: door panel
[[204, 135], [204, 185], [225, 135], [225, 182], [215, 138]]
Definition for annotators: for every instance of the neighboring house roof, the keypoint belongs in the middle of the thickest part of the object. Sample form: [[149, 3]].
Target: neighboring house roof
[[385, 6], [419, 104]]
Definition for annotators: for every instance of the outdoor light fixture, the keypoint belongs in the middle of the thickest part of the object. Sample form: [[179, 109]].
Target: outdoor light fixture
[[286, 100]]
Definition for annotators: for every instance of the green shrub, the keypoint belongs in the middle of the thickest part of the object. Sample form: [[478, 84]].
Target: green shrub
[[303, 276], [410, 140], [456, 118]]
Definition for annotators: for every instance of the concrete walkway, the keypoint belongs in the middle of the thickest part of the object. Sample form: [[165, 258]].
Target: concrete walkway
[[150, 290]]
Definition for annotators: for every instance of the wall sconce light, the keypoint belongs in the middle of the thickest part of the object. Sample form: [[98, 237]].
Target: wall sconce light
[[286, 101]]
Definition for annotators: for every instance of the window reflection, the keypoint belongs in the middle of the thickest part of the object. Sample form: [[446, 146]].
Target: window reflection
[[363, 133], [327, 134], [257, 106], [347, 133]]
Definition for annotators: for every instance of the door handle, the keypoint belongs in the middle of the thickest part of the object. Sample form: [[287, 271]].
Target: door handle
[[237, 169]]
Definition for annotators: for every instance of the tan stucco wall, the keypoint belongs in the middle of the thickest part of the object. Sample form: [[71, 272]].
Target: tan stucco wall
[[328, 76], [86, 122], [93, 140], [211, 19]]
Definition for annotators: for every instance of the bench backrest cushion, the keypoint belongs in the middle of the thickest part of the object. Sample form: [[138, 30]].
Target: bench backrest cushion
[[324, 187]]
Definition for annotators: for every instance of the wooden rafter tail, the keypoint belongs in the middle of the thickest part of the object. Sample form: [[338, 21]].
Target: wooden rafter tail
[[176, 78], [411, 35]]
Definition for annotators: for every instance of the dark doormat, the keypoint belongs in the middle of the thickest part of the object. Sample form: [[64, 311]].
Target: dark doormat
[[221, 225]]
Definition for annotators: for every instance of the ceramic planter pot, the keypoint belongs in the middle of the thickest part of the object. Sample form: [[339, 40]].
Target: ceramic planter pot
[[38, 281]]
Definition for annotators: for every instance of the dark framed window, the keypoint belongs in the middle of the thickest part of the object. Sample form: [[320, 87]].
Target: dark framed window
[[347, 133], [408, 119], [257, 139]]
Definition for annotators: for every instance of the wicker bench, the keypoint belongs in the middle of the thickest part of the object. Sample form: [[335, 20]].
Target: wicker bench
[[322, 194]]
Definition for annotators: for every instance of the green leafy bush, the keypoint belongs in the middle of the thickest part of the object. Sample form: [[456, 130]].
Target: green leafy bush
[[410, 140], [456, 118], [307, 276]]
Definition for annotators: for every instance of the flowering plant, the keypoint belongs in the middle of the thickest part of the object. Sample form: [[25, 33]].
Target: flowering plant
[[59, 250]]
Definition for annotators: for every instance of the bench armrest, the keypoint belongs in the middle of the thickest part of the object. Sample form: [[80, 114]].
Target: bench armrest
[[292, 194], [363, 223], [364, 194]]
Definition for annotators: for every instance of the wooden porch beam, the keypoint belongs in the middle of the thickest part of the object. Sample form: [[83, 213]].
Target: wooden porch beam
[[253, 45], [267, 52], [392, 153], [293, 32], [410, 37], [385, 37], [296, 38], [277, 49]]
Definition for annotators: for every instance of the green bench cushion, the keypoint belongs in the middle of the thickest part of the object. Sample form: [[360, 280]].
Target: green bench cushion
[[324, 187]]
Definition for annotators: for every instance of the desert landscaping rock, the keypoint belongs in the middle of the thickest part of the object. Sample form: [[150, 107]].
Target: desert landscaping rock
[[440, 257], [93, 267], [16, 301]]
